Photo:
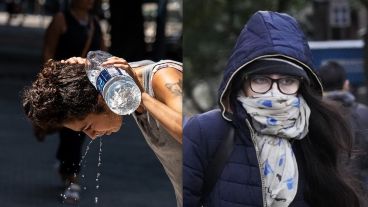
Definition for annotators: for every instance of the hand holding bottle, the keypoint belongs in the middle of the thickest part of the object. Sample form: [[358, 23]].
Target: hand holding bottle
[[123, 64], [119, 86]]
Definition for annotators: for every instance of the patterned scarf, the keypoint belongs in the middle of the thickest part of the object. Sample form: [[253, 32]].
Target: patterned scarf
[[276, 121]]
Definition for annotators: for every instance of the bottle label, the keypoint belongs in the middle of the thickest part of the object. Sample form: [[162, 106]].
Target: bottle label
[[105, 76]]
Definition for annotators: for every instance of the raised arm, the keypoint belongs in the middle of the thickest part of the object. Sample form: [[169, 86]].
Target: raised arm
[[166, 107]]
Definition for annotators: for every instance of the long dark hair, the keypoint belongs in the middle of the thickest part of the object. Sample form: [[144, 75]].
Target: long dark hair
[[321, 152], [327, 144], [60, 93]]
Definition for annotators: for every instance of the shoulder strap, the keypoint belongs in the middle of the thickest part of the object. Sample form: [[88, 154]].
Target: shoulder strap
[[217, 164]]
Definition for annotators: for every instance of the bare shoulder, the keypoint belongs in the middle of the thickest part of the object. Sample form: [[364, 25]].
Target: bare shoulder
[[168, 80], [167, 84], [58, 22]]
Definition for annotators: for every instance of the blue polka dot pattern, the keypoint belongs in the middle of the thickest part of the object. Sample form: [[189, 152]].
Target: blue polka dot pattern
[[267, 168], [290, 183], [296, 103], [266, 103], [271, 121]]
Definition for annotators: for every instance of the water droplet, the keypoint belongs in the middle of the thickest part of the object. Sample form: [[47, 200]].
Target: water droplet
[[97, 186], [85, 188], [85, 153], [96, 199], [82, 175]]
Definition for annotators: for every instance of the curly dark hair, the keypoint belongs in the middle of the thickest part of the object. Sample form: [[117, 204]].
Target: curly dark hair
[[60, 93]]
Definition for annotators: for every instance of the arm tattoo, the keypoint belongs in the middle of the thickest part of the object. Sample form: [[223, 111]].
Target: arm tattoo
[[175, 88]]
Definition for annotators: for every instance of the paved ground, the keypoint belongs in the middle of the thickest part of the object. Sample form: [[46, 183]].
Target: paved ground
[[130, 173]]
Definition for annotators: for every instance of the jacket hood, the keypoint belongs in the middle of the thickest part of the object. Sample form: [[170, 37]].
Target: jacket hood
[[266, 34]]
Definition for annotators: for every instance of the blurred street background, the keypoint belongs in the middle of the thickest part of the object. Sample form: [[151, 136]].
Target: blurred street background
[[336, 31], [131, 175]]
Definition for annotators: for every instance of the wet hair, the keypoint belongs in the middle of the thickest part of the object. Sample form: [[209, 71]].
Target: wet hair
[[329, 140], [332, 75], [60, 93]]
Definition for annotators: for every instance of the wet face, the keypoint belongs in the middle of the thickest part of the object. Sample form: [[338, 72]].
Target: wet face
[[97, 124], [271, 85]]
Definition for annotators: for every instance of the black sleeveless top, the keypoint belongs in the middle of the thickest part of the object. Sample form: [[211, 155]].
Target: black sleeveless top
[[72, 42]]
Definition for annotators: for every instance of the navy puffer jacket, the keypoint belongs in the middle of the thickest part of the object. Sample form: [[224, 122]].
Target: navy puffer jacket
[[267, 34]]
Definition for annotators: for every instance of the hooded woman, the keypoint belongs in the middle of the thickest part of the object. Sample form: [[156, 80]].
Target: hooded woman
[[286, 140]]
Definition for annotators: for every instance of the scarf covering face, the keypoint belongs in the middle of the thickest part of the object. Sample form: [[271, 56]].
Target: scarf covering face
[[277, 120]]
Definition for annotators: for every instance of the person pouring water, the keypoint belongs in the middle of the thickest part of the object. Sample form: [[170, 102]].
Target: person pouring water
[[106, 79], [62, 95]]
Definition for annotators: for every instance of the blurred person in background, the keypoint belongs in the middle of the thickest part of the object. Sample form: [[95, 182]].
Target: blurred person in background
[[14, 8], [337, 88], [274, 142], [72, 32]]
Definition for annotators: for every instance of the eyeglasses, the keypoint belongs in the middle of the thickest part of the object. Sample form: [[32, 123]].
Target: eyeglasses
[[262, 84]]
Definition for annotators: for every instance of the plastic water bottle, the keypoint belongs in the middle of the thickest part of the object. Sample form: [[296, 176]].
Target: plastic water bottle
[[118, 89]]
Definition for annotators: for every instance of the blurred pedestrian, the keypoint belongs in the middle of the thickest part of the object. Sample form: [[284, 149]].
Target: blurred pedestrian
[[14, 8], [274, 142], [72, 32], [62, 95], [337, 88]]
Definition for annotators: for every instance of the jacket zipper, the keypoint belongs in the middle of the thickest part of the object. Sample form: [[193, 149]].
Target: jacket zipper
[[259, 164]]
